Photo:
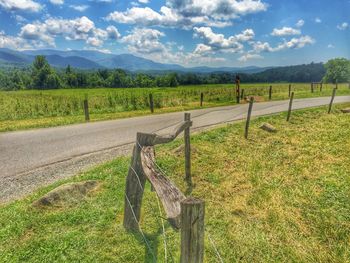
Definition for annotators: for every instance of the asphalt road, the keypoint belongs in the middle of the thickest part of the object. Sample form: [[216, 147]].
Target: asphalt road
[[25, 152]]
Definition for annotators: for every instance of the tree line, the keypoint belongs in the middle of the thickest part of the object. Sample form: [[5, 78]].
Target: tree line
[[42, 76]]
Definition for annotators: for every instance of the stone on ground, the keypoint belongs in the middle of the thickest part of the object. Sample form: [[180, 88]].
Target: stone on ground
[[268, 127], [346, 110], [67, 194]]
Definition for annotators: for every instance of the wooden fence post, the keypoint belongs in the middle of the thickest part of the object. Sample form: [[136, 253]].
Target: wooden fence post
[[151, 105], [336, 83], [270, 92], [290, 106], [289, 90], [192, 230], [321, 84], [187, 151], [332, 99], [251, 101], [312, 87], [242, 94], [202, 98], [86, 110], [135, 183]]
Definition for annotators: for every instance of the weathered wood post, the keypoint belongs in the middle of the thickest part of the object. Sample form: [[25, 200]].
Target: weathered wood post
[[332, 99], [242, 94], [336, 83], [312, 87], [321, 86], [151, 105], [202, 98], [135, 183], [270, 92], [86, 110], [192, 230], [250, 108], [289, 90], [187, 151], [290, 106]]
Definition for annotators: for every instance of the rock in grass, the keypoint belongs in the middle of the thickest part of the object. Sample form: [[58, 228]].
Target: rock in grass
[[66, 194], [268, 127], [346, 110]]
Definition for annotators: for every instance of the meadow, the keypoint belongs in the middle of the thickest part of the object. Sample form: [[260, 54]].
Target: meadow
[[36, 108], [277, 197]]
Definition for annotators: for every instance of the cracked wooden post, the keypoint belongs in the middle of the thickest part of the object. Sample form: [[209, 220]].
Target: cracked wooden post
[[192, 230], [151, 104], [290, 106], [135, 183], [270, 93], [202, 98], [250, 108], [242, 94], [331, 102], [289, 90], [86, 110], [187, 151]]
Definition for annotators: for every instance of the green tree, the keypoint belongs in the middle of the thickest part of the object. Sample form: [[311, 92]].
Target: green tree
[[337, 69]]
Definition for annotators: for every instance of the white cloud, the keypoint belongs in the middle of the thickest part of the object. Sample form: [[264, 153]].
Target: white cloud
[[144, 41], [113, 32], [343, 26], [186, 14], [12, 42], [21, 5], [81, 28], [218, 42], [144, 1], [330, 46], [57, 2], [285, 31], [80, 8], [300, 23], [294, 43], [318, 20], [249, 56]]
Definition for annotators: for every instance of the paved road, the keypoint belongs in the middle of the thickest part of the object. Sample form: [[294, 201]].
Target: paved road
[[25, 152]]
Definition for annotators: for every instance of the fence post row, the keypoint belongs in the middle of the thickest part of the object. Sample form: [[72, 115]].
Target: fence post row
[[332, 99], [270, 93], [187, 151], [242, 94], [289, 90], [290, 106], [86, 110], [151, 105], [251, 101], [192, 230]]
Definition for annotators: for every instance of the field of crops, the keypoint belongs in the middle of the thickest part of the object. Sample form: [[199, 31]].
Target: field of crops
[[37, 108]]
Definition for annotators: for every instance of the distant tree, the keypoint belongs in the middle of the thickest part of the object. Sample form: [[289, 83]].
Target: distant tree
[[43, 76], [337, 69], [70, 77]]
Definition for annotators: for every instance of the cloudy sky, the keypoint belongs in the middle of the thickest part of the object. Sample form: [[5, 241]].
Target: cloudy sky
[[186, 32]]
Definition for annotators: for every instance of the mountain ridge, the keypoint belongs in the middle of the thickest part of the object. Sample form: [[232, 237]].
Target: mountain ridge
[[91, 59]]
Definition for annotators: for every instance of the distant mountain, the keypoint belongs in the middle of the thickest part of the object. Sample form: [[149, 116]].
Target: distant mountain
[[74, 61], [90, 59]]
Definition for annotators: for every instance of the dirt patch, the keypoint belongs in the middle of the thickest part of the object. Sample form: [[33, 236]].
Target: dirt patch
[[67, 194]]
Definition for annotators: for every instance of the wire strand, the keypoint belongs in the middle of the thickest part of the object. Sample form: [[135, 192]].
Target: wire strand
[[214, 246]]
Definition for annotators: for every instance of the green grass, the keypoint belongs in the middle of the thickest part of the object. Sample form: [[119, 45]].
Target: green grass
[[34, 109], [281, 197]]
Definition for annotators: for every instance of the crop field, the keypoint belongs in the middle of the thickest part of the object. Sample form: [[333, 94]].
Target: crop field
[[277, 197], [35, 108]]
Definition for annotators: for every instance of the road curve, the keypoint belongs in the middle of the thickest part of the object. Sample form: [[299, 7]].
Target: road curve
[[27, 155]]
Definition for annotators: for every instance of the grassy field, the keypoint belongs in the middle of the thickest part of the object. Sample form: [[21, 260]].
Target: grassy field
[[34, 109], [282, 197]]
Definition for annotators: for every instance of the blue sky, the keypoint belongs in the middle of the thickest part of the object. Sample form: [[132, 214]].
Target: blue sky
[[186, 32]]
